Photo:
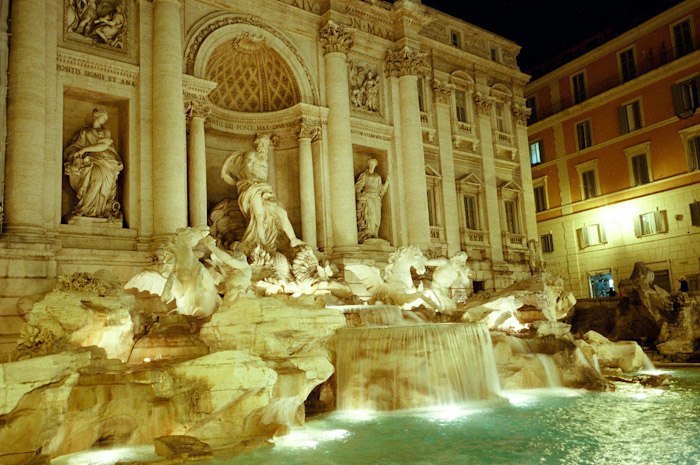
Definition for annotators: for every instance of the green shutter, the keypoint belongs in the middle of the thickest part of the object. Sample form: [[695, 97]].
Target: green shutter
[[622, 120], [638, 226], [695, 213], [661, 221], [677, 94]]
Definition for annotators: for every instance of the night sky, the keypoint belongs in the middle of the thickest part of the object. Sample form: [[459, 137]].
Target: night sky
[[546, 28]]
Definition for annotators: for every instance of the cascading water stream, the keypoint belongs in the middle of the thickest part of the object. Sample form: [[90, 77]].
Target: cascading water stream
[[414, 366]]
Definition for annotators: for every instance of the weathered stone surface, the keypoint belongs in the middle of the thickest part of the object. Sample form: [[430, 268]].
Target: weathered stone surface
[[182, 447], [271, 327], [625, 355], [85, 318]]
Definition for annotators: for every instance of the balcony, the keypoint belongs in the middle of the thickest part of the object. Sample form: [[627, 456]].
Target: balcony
[[647, 61], [437, 234], [514, 240]]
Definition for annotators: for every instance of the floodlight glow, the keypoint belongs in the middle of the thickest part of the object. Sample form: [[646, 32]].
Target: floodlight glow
[[309, 438]]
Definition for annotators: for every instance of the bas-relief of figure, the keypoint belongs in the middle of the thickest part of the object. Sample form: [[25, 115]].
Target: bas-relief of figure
[[92, 165], [365, 88], [265, 214], [103, 21], [369, 190]]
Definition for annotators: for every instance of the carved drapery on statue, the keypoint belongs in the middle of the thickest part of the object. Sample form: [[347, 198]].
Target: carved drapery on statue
[[100, 21], [92, 165], [369, 190], [260, 207]]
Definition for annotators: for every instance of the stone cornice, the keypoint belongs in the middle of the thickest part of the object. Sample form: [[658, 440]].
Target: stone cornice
[[334, 38], [253, 123], [371, 129], [628, 87], [404, 62], [104, 69], [614, 45], [196, 89]]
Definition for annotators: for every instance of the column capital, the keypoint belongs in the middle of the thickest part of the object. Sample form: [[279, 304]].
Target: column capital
[[403, 62], [307, 131], [521, 114], [442, 91], [196, 109], [334, 38], [483, 102]]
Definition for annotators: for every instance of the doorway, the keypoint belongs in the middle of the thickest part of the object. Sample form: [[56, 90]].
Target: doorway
[[600, 284]]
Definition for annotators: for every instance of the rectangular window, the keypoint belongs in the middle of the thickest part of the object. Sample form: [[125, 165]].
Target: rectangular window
[[651, 223], [495, 56], [695, 213], [421, 95], [588, 184], [461, 105], [628, 68], [578, 85], [547, 243], [694, 151], [432, 213], [685, 97], [456, 39], [583, 135], [511, 209], [540, 198], [682, 38], [531, 103], [592, 234], [630, 117], [640, 169], [536, 152], [501, 124], [471, 217]]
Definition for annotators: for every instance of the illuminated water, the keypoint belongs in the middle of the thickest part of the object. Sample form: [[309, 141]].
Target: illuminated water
[[633, 425]]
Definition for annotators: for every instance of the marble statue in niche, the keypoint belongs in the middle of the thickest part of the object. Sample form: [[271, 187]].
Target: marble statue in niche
[[364, 92], [258, 203], [369, 191], [101, 21], [92, 165]]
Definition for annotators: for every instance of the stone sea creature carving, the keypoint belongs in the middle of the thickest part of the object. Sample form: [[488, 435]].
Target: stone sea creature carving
[[449, 275], [395, 285], [257, 201], [183, 278], [92, 165], [369, 191]]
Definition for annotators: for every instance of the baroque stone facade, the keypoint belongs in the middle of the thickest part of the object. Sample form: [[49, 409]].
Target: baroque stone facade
[[184, 84]]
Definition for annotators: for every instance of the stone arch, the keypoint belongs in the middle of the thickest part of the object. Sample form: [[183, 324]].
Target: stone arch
[[216, 30]]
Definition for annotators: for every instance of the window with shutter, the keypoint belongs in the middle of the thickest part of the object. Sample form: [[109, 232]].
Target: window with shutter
[[536, 152], [640, 169], [511, 210], [540, 198], [547, 243], [695, 213], [578, 85], [685, 97], [682, 38], [588, 184], [592, 234], [650, 223], [630, 117], [628, 68], [471, 217], [583, 134], [461, 106], [694, 146]]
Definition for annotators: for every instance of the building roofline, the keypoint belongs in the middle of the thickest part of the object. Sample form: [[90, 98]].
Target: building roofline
[[613, 45]]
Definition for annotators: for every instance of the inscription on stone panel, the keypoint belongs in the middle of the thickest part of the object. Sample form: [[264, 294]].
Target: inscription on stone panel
[[79, 66], [371, 28], [314, 6]]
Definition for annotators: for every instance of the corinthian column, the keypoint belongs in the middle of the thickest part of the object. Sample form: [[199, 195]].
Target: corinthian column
[[169, 137], [405, 65], [306, 134], [26, 125], [197, 164], [442, 93], [336, 43]]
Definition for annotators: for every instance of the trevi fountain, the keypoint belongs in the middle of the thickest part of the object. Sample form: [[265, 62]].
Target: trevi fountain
[[229, 256]]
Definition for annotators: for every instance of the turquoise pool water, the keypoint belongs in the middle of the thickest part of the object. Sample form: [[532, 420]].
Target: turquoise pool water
[[633, 425]]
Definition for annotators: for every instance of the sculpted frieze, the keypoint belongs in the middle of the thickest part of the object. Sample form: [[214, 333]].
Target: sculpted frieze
[[97, 22], [364, 87]]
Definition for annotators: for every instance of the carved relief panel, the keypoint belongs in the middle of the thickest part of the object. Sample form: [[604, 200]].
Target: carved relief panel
[[97, 23], [364, 87]]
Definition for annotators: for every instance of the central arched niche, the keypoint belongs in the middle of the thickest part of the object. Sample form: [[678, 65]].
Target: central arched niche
[[252, 77]]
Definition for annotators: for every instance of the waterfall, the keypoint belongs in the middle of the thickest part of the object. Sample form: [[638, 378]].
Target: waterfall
[[414, 366], [551, 372], [375, 315]]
